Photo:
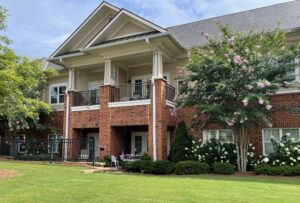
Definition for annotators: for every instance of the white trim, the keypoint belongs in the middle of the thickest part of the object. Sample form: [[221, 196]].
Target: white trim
[[170, 104], [287, 92], [144, 135], [129, 103], [280, 135], [130, 15], [84, 23], [85, 108], [205, 134], [56, 85]]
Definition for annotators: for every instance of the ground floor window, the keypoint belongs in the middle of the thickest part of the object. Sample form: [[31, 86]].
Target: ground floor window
[[224, 135], [54, 139], [139, 143], [21, 143], [276, 134]]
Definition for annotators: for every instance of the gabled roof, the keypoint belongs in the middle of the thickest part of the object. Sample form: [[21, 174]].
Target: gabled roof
[[286, 15], [66, 45], [124, 14]]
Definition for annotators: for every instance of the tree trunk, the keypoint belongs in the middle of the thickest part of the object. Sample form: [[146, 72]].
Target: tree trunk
[[241, 137]]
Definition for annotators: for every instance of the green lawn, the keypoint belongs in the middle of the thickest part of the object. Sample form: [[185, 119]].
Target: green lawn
[[59, 183]]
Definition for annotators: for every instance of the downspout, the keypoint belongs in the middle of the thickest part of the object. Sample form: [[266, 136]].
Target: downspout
[[67, 116], [153, 106]]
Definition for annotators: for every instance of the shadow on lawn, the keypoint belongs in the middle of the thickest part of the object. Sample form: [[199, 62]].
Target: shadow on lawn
[[214, 177]]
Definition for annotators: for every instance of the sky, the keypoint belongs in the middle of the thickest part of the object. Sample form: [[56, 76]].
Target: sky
[[38, 27]]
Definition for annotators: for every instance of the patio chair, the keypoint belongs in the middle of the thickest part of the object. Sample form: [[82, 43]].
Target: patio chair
[[114, 161]]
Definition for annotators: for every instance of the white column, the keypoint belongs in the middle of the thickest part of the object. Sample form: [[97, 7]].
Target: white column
[[71, 79], [157, 68], [107, 72]]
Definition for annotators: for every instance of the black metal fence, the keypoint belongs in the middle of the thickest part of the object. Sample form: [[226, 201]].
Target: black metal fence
[[72, 150], [85, 98], [170, 95], [130, 92]]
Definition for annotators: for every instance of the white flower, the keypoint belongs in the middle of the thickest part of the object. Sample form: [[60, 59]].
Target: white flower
[[288, 134], [266, 160], [253, 148], [248, 153], [295, 148], [227, 161], [186, 148], [298, 158], [281, 144], [286, 149], [234, 151], [225, 152], [250, 145], [277, 161], [291, 164], [193, 142], [210, 148]]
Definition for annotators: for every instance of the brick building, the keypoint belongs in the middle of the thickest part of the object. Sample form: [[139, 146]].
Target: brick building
[[118, 75]]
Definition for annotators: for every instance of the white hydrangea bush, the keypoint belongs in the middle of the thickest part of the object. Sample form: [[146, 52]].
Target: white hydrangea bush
[[286, 152], [213, 151]]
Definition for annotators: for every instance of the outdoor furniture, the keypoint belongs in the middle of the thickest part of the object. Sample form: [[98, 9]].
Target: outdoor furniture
[[114, 161]]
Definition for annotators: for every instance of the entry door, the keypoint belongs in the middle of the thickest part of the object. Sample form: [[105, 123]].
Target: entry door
[[94, 136], [139, 142]]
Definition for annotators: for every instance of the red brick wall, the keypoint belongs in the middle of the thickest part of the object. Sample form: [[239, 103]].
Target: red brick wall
[[282, 118]]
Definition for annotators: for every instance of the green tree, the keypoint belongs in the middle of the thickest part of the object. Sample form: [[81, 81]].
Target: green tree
[[182, 142], [21, 84], [230, 81]]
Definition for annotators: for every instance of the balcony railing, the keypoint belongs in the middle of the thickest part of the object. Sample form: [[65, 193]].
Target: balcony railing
[[85, 98], [170, 93], [130, 92]]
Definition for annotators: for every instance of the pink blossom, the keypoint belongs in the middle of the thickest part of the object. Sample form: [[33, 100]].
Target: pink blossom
[[207, 36], [260, 84], [229, 123], [267, 83], [245, 101], [195, 116], [261, 101], [175, 98], [250, 87], [237, 59], [230, 40], [173, 112], [268, 106]]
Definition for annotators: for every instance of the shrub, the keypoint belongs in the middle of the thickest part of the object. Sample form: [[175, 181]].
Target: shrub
[[182, 141], [162, 167], [223, 168], [146, 166], [191, 167], [132, 166], [107, 160], [286, 152], [145, 156], [278, 170]]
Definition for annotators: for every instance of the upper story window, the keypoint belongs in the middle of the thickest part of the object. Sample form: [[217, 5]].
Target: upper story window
[[276, 134], [224, 135], [295, 73], [57, 93]]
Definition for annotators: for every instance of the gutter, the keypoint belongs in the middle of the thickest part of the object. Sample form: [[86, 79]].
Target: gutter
[[153, 108]]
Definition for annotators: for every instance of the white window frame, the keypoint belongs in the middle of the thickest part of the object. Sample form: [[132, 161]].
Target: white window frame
[[205, 135], [56, 144], [144, 136], [20, 142], [56, 85], [280, 136]]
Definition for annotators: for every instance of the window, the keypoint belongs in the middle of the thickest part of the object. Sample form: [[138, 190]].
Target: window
[[138, 87], [295, 73], [225, 136], [277, 134], [138, 144], [57, 93], [55, 139], [21, 143], [180, 84]]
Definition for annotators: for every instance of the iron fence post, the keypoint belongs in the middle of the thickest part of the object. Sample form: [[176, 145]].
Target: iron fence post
[[51, 147]]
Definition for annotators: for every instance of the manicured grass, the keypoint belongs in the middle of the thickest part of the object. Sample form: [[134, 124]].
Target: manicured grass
[[59, 183]]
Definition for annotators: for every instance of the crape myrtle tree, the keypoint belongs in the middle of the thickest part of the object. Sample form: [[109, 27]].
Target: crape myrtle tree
[[22, 82], [231, 79]]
